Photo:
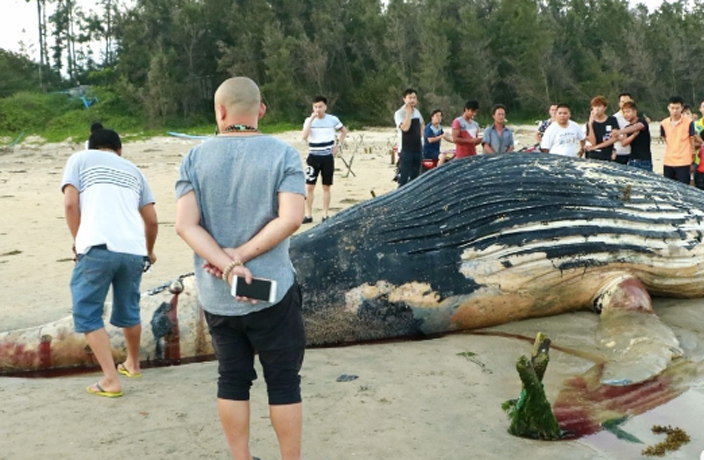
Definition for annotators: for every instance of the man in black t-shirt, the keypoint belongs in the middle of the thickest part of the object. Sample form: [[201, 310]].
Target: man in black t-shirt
[[599, 129], [637, 135]]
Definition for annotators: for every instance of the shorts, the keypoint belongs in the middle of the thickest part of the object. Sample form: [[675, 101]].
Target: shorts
[[320, 164], [678, 173], [699, 180], [646, 165], [622, 159], [599, 155], [276, 334], [92, 276]]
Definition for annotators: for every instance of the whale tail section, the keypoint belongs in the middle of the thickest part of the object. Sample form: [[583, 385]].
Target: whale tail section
[[638, 346]]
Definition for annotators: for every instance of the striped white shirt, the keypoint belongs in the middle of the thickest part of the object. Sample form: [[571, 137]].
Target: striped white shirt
[[321, 138], [112, 191]]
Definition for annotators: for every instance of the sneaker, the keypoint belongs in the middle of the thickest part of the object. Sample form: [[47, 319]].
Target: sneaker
[[307, 220], [325, 218]]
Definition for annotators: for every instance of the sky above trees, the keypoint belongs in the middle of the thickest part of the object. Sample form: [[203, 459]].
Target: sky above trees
[[21, 24]]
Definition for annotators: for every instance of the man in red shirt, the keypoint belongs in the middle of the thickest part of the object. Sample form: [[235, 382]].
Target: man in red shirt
[[465, 131]]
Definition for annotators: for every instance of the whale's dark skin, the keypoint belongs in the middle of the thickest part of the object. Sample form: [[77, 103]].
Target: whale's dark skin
[[491, 239]]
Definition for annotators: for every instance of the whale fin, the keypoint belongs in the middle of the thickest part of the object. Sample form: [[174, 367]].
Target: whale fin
[[637, 344]]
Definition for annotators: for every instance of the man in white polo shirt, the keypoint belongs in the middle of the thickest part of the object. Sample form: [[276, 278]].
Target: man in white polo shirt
[[319, 130], [564, 136]]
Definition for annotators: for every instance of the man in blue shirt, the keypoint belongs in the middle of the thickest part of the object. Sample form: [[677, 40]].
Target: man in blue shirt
[[432, 136], [497, 137]]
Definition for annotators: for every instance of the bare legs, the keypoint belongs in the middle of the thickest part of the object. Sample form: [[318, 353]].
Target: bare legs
[[286, 419], [310, 193], [133, 336], [234, 418], [99, 342], [288, 422], [326, 200], [100, 345], [310, 188]]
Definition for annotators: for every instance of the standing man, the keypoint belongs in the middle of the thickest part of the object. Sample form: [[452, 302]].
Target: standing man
[[564, 136], [498, 138], [319, 130], [543, 125], [465, 131], [109, 210], [241, 195], [637, 136], [678, 132], [433, 136], [599, 129], [409, 123], [622, 151]]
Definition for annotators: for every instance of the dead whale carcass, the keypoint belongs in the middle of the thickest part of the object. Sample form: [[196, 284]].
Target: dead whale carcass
[[493, 239], [174, 330], [475, 243]]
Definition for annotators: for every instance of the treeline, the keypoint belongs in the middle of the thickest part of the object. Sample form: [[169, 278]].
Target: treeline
[[169, 55]]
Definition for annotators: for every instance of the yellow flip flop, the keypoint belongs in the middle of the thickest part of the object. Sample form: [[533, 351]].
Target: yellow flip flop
[[101, 392], [123, 370]]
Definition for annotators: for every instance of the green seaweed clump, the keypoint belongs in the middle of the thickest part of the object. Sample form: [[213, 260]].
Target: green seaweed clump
[[531, 415], [676, 437]]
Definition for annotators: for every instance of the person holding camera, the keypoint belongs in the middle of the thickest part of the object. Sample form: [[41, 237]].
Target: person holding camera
[[241, 195]]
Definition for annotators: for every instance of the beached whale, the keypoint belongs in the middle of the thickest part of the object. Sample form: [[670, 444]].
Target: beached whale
[[475, 243]]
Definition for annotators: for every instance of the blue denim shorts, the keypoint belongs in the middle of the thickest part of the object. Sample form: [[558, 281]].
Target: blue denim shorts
[[646, 165], [93, 275]]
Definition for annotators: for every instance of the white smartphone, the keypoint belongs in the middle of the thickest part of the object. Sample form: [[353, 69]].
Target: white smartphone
[[260, 289]]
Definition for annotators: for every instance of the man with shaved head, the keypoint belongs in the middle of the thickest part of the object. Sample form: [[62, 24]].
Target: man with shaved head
[[240, 197]]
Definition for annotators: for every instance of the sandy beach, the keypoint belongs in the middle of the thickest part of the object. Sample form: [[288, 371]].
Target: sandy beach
[[432, 399]]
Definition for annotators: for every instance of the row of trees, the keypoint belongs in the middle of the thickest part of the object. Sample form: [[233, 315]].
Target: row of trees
[[171, 54]]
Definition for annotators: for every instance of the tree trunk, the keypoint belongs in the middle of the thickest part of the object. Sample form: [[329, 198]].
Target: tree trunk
[[531, 414]]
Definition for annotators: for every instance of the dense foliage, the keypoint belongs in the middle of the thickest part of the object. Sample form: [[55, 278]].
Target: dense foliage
[[163, 58]]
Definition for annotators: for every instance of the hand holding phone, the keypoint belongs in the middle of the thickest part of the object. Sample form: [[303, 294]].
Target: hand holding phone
[[260, 289]]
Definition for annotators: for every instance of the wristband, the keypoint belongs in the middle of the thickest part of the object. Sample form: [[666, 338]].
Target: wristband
[[228, 269]]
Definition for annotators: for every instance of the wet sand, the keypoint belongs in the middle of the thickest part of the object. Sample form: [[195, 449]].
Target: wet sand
[[410, 400]]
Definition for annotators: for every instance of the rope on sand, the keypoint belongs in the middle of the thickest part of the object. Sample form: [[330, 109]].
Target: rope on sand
[[16, 141], [187, 136]]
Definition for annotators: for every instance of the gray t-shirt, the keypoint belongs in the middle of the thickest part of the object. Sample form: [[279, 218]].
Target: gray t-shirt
[[236, 181]]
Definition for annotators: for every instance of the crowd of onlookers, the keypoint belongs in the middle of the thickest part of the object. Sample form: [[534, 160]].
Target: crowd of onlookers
[[623, 137]]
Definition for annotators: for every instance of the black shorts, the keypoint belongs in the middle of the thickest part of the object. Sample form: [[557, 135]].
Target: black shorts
[[320, 164], [699, 180], [599, 155], [678, 173], [276, 334]]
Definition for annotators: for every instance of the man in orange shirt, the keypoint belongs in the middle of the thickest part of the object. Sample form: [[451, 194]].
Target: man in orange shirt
[[678, 132]]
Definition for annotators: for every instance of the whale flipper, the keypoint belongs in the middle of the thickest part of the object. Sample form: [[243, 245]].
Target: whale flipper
[[637, 344]]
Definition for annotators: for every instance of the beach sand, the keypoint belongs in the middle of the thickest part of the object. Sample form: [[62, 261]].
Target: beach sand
[[431, 399]]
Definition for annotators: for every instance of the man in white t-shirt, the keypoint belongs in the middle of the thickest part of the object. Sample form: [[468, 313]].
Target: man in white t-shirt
[[563, 137], [319, 130], [109, 210], [622, 152], [409, 125]]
